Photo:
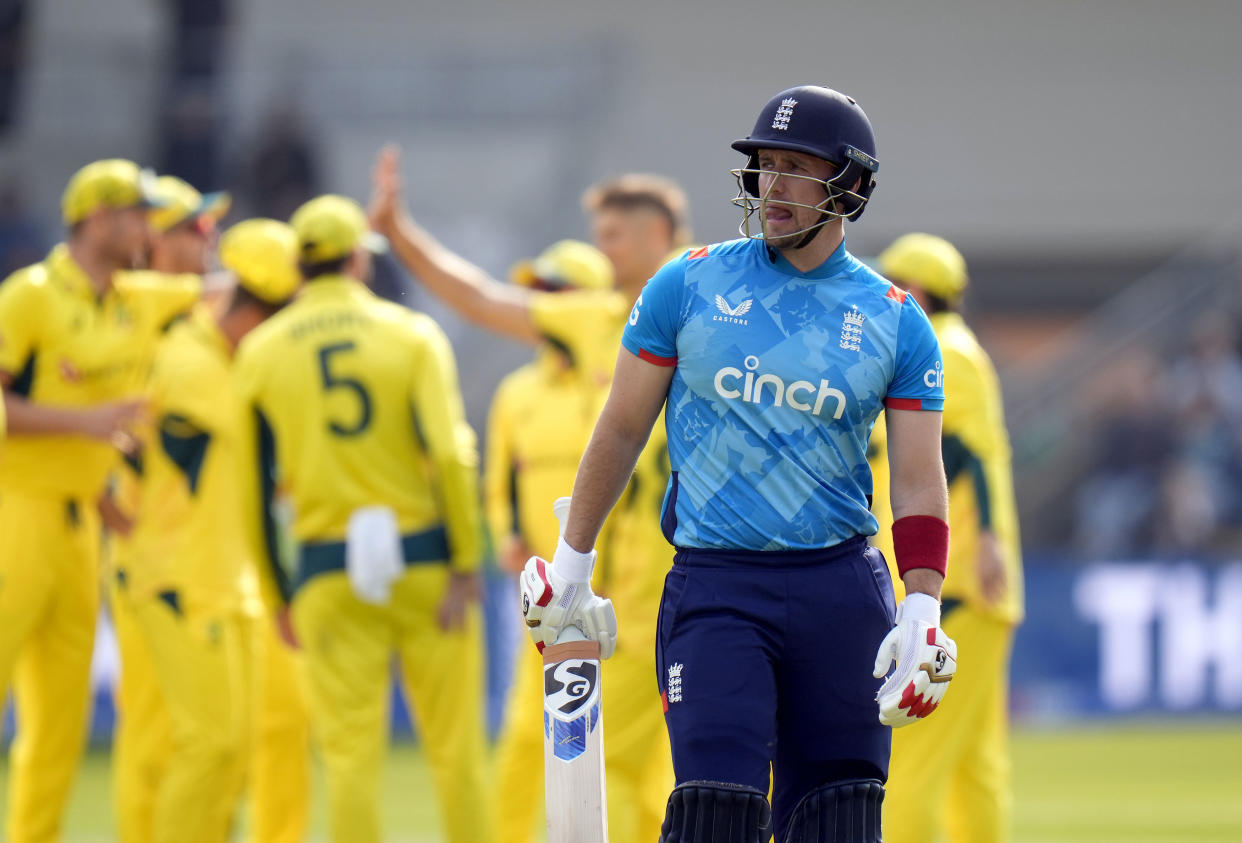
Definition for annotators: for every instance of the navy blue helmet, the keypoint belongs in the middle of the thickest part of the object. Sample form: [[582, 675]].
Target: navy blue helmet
[[821, 122]]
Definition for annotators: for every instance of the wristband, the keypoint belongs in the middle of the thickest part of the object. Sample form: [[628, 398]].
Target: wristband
[[573, 565], [920, 541]]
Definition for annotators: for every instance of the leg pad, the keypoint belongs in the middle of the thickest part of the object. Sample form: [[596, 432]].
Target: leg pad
[[716, 812], [845, 811]]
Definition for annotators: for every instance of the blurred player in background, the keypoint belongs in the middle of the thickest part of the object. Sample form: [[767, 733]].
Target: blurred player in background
[[775, 353], [355, 409], [73, 334], [540, 419], [192, 587], [950, 778], [182, 234], [637, 221]]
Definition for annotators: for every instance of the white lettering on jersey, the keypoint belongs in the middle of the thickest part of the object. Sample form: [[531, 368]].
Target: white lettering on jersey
[[752, 389], [634, 312], [733, 314], [934, 378]]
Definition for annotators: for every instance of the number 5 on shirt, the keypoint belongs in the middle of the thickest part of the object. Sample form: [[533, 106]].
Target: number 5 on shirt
[[351, 386]]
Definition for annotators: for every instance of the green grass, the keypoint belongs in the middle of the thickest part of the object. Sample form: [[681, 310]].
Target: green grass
[[1101, 784], [1136, 782]]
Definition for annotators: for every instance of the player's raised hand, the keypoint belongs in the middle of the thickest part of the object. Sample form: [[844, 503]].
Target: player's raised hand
[[558, 595], [387, 202], [926, 660]]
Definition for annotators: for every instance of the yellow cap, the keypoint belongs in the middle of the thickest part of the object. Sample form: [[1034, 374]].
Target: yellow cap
[[925, 261], [263, 254], [569, 263], [111, 183], [331, 227], [176, 201]]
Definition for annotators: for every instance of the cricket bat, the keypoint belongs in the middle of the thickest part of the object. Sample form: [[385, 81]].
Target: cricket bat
[[573, 733], [573, 741]]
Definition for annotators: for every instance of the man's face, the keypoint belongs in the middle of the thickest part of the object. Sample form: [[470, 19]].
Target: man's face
[[126, 237], [185, 246], [636, 241], [790, 190]]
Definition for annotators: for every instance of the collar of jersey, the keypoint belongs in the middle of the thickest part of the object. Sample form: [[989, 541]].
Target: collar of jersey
[[332, 284], [550, 361], [207, 326], [66, 272], [830, 268], [945, 320]]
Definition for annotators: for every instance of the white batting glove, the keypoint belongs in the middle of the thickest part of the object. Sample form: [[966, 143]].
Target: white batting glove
[[559, 595], [926, 660]]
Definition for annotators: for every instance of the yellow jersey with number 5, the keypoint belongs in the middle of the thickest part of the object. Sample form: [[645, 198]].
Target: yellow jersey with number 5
[[349, 401]]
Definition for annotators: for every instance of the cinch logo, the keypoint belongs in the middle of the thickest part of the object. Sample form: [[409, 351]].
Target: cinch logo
[[733, 314], [934, 378], [751, 390]]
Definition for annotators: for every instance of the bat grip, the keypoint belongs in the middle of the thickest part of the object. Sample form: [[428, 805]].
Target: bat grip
[[570, 634]]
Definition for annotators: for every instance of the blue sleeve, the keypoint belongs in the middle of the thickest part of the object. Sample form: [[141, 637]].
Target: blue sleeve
[[918, 374], [651, 333]]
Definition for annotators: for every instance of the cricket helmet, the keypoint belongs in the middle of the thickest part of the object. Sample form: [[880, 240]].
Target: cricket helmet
[[821, 122]]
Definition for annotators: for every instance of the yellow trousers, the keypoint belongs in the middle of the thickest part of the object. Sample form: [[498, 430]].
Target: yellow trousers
[[203, 663], [949, 778], [348, 646], [638, 763], [280, 765], [142, 737], [49, 602]]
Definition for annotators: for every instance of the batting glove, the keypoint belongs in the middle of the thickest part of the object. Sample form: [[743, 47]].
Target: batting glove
[[926, 660], [559, 595]]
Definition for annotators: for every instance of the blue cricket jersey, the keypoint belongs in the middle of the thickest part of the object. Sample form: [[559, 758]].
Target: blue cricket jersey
[[779, 377]]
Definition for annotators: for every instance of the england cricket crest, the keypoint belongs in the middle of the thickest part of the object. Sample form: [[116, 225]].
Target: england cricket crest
[[571, 708]]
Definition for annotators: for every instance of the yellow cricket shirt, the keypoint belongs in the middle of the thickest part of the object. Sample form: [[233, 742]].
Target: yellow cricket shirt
[[588, 323], [978, 465], [350, 401], [68, 347], [188, 536], [540, 420]]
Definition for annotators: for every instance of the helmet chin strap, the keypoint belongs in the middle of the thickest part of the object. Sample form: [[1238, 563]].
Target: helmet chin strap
[[814, 231], [811, 235]]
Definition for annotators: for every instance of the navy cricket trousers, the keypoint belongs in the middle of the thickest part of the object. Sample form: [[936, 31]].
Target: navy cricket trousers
[[764, 663]]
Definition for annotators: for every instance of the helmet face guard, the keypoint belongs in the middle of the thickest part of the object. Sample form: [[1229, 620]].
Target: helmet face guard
[[817, 121], [845, 194]]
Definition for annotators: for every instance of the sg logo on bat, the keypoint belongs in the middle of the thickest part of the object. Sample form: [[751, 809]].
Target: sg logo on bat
[[571, 705]]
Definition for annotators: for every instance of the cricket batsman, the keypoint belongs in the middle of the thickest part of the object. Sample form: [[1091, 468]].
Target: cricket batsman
[[950, 778], [637, 220], [772, 355], [352, 405], [72, 340]]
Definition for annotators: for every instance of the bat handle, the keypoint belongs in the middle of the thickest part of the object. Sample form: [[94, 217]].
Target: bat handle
[[570, 634], [560, 508]]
